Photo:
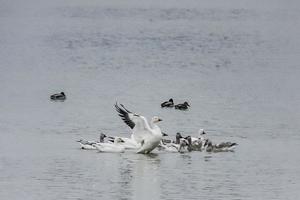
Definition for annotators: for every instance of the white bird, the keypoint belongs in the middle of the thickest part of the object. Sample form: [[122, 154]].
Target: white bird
[[129, 143], [115, 147], [201, 137], [88, 145], [145, 134]]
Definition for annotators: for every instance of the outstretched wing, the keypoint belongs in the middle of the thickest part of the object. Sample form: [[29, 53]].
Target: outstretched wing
[[125, 115], [138, 124]]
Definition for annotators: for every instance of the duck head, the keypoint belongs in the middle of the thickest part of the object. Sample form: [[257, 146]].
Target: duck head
[[102, 136], [171, 100], [186, 103]]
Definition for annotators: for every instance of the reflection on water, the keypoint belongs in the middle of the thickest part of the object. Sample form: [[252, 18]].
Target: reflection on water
[[146, 177], [207, 158]]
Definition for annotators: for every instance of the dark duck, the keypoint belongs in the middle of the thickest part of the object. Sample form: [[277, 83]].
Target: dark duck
[[182, 106], [60, 96], [221, 147], [168, 104]]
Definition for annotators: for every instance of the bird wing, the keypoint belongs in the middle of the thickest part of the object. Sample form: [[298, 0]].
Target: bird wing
[[125, 115], [138, 123]]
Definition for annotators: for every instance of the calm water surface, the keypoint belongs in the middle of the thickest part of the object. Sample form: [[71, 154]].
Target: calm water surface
[[236, 62]]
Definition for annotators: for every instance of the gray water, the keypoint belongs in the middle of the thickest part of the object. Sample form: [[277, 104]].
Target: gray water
[[235, 61]]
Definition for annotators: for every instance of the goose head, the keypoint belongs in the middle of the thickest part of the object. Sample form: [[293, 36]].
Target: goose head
[[156, 119], [201, 132]]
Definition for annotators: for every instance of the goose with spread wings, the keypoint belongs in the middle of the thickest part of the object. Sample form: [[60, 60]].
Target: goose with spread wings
[[148, 135]]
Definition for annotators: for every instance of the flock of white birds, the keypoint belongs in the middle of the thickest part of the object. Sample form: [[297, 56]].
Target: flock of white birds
[[147, 136]]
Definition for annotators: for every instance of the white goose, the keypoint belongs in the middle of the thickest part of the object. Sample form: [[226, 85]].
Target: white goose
[[88, 145], [148, 136], [129, 143], [115, 147]]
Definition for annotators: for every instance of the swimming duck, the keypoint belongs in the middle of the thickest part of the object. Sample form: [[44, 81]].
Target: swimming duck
[[185, 145], [102, 136], [168, 104], [182, 106], [178, 138], [60, 96], [88, 145], [221, 147]]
